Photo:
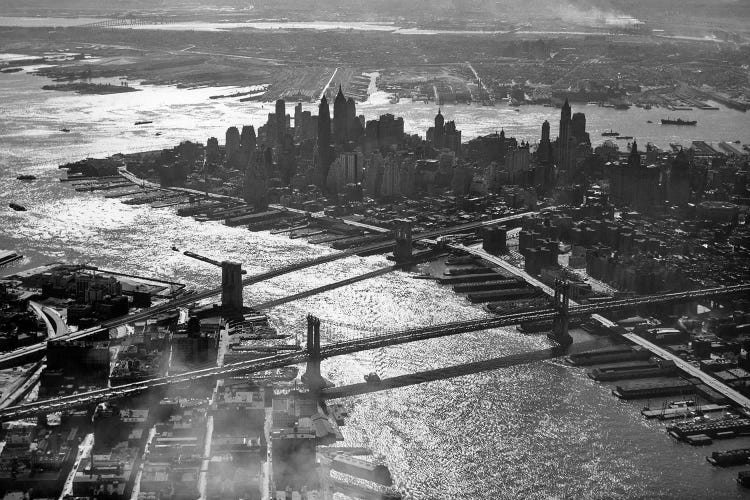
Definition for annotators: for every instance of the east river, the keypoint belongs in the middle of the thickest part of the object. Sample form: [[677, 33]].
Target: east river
[[532, 430]]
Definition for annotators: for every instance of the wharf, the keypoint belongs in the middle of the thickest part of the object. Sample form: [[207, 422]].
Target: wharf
[[7, 256], [672, 413], [472, 278], [486, 286], [643, 390], [497, 295], [130, 193]]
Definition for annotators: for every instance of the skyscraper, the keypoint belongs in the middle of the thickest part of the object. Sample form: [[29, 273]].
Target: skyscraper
[[544, 152], [565, 124], [232, 145], [324, 143], [566, 142], [353, 126], [324, 123], [678, 190], [439, 130], [578, 128], [280, 127], [339, 118]]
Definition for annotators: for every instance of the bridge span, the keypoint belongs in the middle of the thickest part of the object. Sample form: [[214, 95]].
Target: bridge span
[[347, 347]]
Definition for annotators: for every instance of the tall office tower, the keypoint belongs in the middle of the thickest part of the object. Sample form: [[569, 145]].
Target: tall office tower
[[325, 156], [280, 127], [678, 190], [565, 141], [339, 118], [353, 126], [578, 128], [324, 124], [212, 151], [544, 152], [232, 145], [248, 140], [297, 119], [439, 132]]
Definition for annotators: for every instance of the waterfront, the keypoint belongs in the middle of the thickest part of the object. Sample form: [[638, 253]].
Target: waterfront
[[537, 430]]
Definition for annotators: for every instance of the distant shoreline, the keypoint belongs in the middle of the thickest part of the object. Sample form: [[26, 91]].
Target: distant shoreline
[[90, 88]]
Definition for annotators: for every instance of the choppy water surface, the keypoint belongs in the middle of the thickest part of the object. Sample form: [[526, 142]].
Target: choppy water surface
[[534, 430]]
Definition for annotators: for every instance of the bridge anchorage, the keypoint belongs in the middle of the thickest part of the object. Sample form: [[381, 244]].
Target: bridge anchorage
[[561, 305], [312, 377]]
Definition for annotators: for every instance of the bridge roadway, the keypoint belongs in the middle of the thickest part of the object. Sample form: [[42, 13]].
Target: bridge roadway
[[19, 356], [349, 347]]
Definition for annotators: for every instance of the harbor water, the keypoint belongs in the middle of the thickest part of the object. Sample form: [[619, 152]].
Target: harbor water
[[540, 429]]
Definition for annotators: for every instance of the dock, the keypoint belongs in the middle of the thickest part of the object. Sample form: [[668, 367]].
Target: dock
[[8, 256], [683, 411]]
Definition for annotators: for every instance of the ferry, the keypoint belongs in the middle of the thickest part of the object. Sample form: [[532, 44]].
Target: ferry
[[678, 121]]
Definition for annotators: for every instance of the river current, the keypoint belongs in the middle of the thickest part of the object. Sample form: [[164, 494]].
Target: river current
[[540, 429]]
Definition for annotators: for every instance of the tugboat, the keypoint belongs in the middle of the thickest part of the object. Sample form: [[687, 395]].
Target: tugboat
[[611, 133], [26, 177], [678, 121], [17, 207]]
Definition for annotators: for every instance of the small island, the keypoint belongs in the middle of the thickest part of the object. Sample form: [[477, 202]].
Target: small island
[[90, 88]]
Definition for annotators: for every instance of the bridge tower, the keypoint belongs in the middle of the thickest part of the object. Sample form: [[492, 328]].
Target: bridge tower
[[560, 322], [312, 377], [402, 233], [231, 286]]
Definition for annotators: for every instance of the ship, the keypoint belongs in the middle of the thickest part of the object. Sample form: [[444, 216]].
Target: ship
[[611, 133], [678, 121], [64, 130], [17, 207], [26, 177]]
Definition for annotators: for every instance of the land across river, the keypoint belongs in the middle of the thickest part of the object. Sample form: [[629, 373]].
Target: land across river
[[90, 88], [190, 114]]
